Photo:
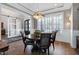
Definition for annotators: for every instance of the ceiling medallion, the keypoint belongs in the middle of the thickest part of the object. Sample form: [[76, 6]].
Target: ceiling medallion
[[38, 15]]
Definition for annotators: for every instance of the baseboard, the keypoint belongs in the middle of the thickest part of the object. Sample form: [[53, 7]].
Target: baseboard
[[14, 37], [63, 42]]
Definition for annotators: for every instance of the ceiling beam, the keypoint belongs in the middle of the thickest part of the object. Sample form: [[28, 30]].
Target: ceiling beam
[[16, 9], [25, 7]]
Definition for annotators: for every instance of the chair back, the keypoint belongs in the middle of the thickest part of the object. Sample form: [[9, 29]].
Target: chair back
[[23, 37], [27, 32], [45, 40], [37, 34], [54, 35]]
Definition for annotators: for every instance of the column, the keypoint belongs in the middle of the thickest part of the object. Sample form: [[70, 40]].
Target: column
[[75, 24], [0, 30], [0, 22]]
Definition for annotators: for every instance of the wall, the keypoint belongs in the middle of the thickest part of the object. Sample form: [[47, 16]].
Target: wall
[[31, 24], [14, 13], [75, 24], [0, 30], [67, 15], [65, 34], [0, 23], [5, 21]]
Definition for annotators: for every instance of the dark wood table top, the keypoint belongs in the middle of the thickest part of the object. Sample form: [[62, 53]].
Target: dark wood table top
[[38, 38]]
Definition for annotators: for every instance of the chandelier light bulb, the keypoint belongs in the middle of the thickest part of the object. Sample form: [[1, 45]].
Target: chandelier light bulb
[[38, 15]]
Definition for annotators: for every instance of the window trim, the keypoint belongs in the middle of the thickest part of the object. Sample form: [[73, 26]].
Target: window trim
[[55, 14]]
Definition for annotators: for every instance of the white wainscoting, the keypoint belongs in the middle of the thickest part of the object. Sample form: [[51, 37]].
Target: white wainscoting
[[64, 36], [73, 40], [68, 36]]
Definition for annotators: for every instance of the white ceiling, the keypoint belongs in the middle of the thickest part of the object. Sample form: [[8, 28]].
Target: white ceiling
[[41, 6], [46, 8]]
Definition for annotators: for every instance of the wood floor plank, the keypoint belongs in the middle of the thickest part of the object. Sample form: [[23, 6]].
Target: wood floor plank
[[16, 48]]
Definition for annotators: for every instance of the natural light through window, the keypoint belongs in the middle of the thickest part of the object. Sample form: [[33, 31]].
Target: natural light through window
[[51, 23]]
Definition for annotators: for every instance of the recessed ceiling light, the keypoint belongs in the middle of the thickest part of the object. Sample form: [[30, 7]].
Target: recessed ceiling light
[[37, 9], [55, 4]]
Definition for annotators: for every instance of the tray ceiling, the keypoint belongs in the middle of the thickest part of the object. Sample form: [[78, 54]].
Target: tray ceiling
[[46, 8]]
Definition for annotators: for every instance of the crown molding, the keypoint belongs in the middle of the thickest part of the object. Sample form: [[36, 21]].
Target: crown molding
[[25, 7], [56, 12], [34, 11], [52, 8], [42, 10], [16, 8]]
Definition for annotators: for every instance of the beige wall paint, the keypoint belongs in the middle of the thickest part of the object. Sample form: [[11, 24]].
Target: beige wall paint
[[67, 15]]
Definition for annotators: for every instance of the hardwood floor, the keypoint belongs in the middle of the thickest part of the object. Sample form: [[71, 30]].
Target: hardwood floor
[[16, 48]]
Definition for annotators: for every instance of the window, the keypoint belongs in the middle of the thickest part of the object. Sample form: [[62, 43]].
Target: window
[[26, 24], [58, 22], [14, 27], [49, 24]]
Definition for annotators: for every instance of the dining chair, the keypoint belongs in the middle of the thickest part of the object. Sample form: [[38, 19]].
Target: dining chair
[[26, 41], [44, 43], [26, 32], [53, 38]]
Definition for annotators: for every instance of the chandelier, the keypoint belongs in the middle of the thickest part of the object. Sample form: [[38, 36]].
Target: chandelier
[[38, 15]]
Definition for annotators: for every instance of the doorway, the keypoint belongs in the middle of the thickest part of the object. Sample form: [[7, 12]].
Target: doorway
[[10, 28]]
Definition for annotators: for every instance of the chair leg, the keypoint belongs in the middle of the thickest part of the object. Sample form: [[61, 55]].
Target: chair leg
[[39, 51], [25, 48], [44, 50], [53, 47], [48, 51]]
